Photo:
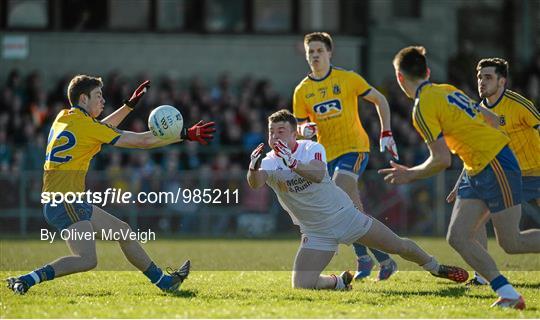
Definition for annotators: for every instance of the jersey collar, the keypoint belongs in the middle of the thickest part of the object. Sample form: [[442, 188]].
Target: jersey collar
[[295, 147], [321, 79], [81, 109], [420, 88], [486, 102]]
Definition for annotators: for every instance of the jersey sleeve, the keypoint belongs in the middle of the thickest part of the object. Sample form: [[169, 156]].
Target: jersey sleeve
[[299, 105], [103, 133], [426, 122], [360, 86], [316, 152], [530, 114]]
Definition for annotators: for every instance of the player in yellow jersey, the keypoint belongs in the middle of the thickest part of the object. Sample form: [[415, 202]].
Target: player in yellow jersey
[[328, 99], [450, 122], [520, 120], [75, 137]]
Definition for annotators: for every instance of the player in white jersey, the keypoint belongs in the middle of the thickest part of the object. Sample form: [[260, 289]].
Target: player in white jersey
[[296, 171]]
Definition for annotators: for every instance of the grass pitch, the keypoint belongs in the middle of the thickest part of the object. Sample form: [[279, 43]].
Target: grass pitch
[[251, 278]]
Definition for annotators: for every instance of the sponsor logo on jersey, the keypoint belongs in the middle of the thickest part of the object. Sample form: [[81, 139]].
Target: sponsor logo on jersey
[[328, 109]]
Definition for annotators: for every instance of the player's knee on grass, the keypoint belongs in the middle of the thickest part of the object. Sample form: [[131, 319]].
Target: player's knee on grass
[[303, 281]]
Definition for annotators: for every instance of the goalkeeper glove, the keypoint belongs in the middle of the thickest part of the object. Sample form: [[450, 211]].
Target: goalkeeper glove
[[200, 132], [307, 130], [387, 143], [256, 159], [285, 153], [137, 94]]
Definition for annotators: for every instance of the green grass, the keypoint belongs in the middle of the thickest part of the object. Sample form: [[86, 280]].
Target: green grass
[[251, 278]]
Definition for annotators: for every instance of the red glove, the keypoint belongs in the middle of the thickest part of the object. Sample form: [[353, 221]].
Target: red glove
[[387, 143], [255, 162], [284, 152], [137, 94], [201, 132]]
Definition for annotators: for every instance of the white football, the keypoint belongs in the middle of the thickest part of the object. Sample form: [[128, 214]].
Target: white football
[[165, 122]]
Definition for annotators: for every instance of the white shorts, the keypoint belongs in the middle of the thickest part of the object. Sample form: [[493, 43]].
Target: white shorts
[[353, 225]]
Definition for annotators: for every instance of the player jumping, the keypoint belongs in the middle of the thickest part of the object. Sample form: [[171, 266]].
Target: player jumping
[[328, 97], [75, 137], [296, 171], [449, 121]]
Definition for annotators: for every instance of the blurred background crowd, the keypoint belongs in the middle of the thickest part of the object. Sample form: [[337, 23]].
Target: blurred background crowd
[[235, 62], [240, 109]]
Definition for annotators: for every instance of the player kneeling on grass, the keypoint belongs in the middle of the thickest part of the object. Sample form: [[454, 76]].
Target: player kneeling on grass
[[296, 171], [75, 137]]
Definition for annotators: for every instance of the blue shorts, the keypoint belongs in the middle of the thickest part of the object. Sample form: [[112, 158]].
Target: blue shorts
[[531, 188], [498, 185], [65, 214], [352, 162]]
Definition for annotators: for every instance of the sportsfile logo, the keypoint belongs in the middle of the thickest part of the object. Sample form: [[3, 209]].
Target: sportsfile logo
[[118, 196]]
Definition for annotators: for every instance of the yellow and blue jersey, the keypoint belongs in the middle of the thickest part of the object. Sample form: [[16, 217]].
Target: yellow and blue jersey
[[520, 119], [442, 110], [332, 103], [75, 137]]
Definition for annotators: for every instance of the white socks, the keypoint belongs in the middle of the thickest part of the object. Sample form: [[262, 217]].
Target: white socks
[[507, 291], [432, 266], [340, 285]]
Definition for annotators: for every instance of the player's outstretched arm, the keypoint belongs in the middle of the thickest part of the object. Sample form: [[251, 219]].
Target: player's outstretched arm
[[142, 140], [256, 177], [115, 118], [201, 132], [439, 159]]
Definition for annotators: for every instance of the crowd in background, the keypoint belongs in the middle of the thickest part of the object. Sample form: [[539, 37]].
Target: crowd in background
[[240, 109]]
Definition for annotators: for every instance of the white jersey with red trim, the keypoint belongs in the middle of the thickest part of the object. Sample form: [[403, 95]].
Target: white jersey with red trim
[[315, 207]]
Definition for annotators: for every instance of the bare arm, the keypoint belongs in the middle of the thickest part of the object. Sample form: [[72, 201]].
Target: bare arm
[[438, 160], [313, 171], [256, 178], [142, 140], [491, 117], [115, 118], [381, 104]]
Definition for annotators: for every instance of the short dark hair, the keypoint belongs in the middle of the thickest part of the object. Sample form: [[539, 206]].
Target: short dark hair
[[319, 36], [285, 116], [501, 66], [82, 84], [412, 62]]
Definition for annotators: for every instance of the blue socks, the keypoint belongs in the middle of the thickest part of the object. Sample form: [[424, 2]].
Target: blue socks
[[156, 275], [44, 273], [379, 255], [361, 250], [498, 282]]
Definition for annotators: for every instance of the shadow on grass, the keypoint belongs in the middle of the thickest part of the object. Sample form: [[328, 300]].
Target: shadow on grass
[[526, 285], [182, 294], [446, 292], [96, 294]]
